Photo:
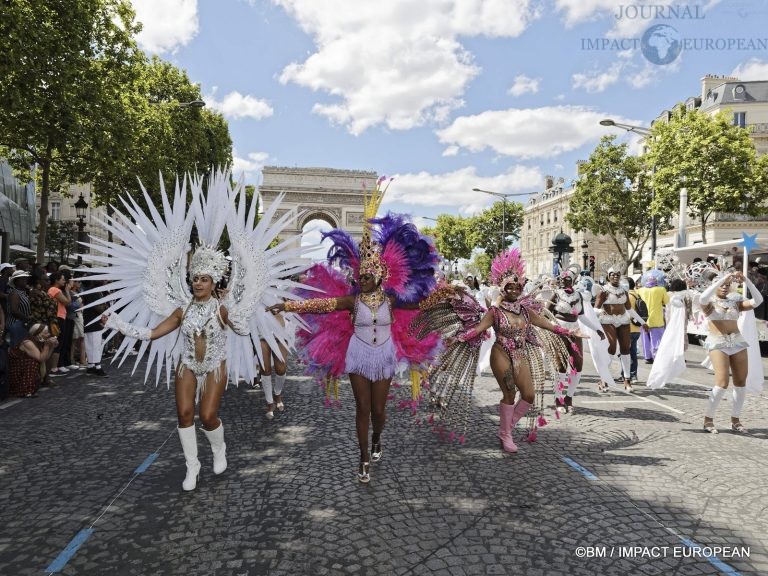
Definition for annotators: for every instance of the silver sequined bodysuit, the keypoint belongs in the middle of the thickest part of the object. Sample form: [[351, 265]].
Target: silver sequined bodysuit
[[202, 319], [725, 308]]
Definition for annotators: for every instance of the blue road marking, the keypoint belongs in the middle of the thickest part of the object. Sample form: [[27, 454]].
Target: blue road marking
[[579, 468], [69, 551], [715, 561], [147, 463]]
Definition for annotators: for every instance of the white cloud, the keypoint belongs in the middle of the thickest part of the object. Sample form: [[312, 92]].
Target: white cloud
[[166, 24], [597, 81], [524, 85], [250, 166], [454, 189], [235, 105], [396, 63], [753, 69], [527, 132], [451, 151], [312, 238]]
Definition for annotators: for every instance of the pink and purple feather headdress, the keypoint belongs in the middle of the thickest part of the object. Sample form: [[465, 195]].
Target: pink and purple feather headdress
[[508, 266]]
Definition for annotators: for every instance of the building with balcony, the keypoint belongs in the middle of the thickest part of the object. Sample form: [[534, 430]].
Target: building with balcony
[[544, 218], [747, 103]]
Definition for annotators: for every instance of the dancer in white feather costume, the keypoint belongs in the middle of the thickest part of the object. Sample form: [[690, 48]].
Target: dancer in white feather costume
[[147, 267]]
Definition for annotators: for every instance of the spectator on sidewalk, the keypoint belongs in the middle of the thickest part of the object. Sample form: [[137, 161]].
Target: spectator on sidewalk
[[4, 377], [6, 270], [655, 296], [28, 359], [17, 312], [634, 332], [60, 292], [93, 330], [78, 348]]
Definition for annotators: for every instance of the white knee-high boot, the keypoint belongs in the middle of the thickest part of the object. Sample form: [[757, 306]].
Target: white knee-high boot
[[626, 362], [739, 394], [279, 382], [714, 397], [573, 384], [266, 385], [188, 439], [218, 447]]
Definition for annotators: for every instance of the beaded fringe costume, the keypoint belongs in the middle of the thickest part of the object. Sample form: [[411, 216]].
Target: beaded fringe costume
[[393, 251], [453, 313]]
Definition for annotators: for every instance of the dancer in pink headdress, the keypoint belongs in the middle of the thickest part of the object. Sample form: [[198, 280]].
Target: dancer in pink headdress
[[362, 329], [526, 353]]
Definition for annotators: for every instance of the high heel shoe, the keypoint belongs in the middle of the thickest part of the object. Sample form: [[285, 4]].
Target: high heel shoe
[[628, 386], [279, 402], [376, 451], [363, 472], [738, 427], [270, 411], [710, 427]]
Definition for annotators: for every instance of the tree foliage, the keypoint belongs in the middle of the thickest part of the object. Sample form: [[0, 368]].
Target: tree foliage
[[713, 159], [84, 104], [487, 228], [59, 68], [612, 198], [480, 265], [61, 239], [452, 237]]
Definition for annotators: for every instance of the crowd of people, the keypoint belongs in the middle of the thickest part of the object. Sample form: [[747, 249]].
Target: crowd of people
[[45, 330]]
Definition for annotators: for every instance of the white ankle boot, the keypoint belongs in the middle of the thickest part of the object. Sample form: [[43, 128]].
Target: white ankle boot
[[188, 438], [218, 447]]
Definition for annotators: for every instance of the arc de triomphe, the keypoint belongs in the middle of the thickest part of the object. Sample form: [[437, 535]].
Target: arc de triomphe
[[335, 196]]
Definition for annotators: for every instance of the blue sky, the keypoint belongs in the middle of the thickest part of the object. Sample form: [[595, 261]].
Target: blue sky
[[444, 95]]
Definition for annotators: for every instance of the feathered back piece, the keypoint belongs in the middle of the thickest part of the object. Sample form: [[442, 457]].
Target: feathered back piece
[[508, 266], [408, 256], [615, 264]]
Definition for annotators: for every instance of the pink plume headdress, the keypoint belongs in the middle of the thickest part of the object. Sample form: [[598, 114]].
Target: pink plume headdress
[[508, 266]]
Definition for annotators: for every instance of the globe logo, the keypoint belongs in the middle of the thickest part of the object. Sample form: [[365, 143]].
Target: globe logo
[[661, 44]]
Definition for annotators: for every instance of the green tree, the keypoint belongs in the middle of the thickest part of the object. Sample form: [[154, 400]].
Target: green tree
[[612, 197], [157, 135], [452, 237], [58, 83], [487, 227], [61, 239], [480, 264], [712, 158]]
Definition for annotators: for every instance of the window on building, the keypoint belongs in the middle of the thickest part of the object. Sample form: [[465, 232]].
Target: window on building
[[740, 119], [554, 215], [548, 217], [55, 210]]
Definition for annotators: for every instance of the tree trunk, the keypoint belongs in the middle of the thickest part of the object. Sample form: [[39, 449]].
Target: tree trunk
[[703, 229], [42, 225]]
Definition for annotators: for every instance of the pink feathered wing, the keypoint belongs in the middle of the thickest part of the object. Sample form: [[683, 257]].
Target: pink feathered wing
[[324, 347]]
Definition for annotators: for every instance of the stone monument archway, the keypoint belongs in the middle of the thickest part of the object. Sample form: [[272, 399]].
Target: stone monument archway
[[334, 196]]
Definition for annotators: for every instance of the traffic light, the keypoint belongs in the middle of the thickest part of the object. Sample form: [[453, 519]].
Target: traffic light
[[591, 263]]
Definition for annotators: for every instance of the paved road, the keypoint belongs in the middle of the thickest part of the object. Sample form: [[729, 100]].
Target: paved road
[[98, 462]]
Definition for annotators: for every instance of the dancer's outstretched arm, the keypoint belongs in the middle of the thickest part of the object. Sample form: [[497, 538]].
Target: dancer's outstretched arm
[[167, 326]]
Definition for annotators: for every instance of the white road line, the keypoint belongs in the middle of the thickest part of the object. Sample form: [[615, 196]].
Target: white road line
[[611, 401], [657, 403], [5, 405]]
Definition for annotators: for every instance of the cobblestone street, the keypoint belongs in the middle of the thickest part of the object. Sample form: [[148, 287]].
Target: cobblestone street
[[625, 470]]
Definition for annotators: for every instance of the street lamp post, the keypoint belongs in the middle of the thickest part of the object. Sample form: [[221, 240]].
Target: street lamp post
[[643, 131], [504, 210], [585, 253], [81, 206]]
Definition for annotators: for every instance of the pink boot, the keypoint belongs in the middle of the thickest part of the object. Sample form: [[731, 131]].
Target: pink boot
[[520, 409], [505, 426]]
